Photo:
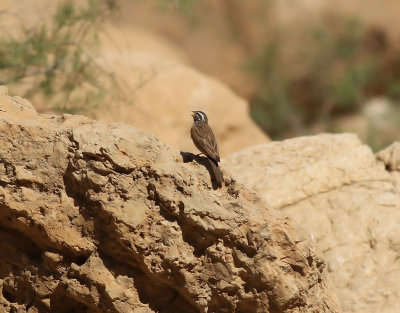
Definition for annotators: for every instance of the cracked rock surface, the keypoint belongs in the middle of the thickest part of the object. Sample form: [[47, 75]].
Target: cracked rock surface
[[349, 201], [98, 217]]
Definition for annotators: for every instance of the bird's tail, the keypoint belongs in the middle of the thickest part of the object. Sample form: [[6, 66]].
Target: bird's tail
[[218, 177]]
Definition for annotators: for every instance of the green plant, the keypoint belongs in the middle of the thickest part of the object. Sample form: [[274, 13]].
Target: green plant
[[52, 57]]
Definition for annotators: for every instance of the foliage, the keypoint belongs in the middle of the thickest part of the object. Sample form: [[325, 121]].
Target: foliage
[[52, 57]]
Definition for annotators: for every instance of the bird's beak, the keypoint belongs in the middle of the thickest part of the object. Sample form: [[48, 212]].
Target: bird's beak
[[192, 114]]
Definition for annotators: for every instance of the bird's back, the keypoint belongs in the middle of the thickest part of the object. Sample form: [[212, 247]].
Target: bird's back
[[204, 140]]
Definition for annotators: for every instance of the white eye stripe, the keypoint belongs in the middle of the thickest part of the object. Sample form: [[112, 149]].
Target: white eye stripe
[[203, 116]]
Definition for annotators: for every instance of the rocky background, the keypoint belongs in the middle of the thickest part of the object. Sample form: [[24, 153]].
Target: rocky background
[[347, 198], [122, 216]]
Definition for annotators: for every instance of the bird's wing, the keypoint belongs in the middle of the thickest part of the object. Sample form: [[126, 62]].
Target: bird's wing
[[204, 140]]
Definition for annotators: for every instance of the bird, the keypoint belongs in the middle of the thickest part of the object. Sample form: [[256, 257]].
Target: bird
[[204, 140]]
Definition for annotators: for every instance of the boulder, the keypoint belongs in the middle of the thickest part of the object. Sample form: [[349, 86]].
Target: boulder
[[349, 201], [98, 217]]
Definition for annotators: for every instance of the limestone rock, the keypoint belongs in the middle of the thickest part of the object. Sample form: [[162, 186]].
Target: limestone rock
[[98, 217], [336, 189], [391, 157]]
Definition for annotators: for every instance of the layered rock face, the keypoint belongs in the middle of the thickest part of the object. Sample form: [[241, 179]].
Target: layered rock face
[[349, 201], [98, 217]]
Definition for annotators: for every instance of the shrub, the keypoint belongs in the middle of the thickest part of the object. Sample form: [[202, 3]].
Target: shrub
[[52, 58]]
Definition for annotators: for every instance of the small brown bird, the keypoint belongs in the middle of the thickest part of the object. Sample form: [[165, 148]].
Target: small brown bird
[[204, 140]]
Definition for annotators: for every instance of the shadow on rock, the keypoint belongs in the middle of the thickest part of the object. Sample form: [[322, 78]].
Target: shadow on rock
[[189, 157]]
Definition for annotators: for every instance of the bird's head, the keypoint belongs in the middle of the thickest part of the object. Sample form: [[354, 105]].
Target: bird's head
[[199, 117]]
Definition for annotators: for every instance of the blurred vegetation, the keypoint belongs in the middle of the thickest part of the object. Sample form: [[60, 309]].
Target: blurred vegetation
[[342, 66], [52, 58]]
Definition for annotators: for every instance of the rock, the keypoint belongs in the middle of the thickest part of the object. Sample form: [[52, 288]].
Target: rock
[[3, 91], [98, 217], [390, 157], [335, 188]]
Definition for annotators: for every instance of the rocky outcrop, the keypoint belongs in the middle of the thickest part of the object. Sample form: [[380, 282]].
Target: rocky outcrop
[[348, 200], [98, 217]]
